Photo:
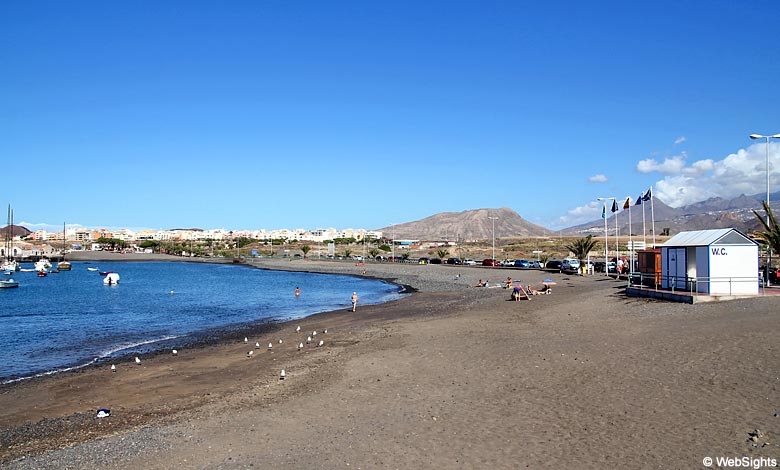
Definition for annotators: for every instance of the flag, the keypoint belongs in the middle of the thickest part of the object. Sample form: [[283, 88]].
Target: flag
[[627, 203], [614, 205], [604, 211], [648, 195], [639, 200]]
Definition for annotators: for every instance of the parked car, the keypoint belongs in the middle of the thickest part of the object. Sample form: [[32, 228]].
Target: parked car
[[536, 265], [435, 260], [453, 261], [424, 260], [522, 263], [508, 262], [570, 265], [490, 262], [553, 264], [469, 262]]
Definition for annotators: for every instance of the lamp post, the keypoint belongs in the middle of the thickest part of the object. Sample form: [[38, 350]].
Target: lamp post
[[494, 218], [393, 246], [768, 249]]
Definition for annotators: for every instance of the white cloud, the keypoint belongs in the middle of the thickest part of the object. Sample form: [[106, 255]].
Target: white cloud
[[598, 178], [670, 165], [581, 214], [743, 172], [679, 140]]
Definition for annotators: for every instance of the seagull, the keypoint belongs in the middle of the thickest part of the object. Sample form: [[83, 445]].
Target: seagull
[[280, 340], [308, 340], [257, 345], [282, 375], [246, 340], [250, 353], [314, 333], [113, 368], [320, 343], [300, 346], [298, 329], [137, 361], [326, 330], [270, 346], [175, 352]]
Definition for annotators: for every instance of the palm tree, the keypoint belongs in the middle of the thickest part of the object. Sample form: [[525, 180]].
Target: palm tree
[[442, 253], [305, 249], [770, 236], [581, 247]]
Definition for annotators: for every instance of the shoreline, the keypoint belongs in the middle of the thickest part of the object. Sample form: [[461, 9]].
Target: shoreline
[[450, 376]]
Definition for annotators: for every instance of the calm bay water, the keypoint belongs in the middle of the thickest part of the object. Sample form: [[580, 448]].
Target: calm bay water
[[71, 319]]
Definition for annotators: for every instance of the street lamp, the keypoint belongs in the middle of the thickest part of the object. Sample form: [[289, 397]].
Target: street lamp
[[768, 250], [393, 246], [494, 218]]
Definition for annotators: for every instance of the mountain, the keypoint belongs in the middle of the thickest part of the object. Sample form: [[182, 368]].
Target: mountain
[[708, 214], [467, 225], [18, 231]]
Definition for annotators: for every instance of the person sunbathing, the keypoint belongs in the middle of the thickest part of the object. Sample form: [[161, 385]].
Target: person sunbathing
[[480, 284]]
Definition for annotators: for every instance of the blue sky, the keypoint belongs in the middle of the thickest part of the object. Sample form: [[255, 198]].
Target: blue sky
[[304, 114]]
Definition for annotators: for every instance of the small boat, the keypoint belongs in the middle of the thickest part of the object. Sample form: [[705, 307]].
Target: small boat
[[8, 283], [42, 264], [54, 271], [92, 269], [64, 266], [111, 279], [41, 273], [105, 273], [27, 270]]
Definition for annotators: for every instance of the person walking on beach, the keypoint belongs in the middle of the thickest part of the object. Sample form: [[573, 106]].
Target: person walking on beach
[[354, 301]]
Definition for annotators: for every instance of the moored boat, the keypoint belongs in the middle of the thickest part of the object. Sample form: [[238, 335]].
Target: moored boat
[[111, 279], [64, 266], [92, 269], [42, 264], [8, 283]]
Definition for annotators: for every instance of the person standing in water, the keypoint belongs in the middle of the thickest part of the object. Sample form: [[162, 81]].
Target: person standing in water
[[297, 292], [354, 301]]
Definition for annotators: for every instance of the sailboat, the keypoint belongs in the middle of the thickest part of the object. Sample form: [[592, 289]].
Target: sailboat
[[64, 265], [9, 263]]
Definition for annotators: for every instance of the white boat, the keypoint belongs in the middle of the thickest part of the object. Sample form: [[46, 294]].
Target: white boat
[[42, 264], [8, 283], [10, 265], [111, 279], [93, 269], [64, 266]]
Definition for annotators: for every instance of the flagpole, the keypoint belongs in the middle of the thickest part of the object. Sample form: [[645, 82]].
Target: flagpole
[[617, 239], [644, 226], [630, 239], [652, 213], [606, 238]]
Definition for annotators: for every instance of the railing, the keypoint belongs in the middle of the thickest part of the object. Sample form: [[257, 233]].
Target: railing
[[656, 281]]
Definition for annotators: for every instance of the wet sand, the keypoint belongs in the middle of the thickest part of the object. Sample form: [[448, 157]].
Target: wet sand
[[449, 377]]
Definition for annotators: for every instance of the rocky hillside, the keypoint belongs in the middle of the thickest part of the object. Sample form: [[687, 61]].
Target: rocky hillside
[[467, 226]]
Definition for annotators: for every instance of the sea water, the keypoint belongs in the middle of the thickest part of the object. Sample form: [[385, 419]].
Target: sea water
[[71, 319]]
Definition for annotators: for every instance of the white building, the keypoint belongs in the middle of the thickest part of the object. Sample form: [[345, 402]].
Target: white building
[[716, 262]]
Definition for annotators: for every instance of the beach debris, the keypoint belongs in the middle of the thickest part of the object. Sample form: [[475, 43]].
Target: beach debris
[[320, 343], [250, 353], [308, 339], [257, 345], [282, 375], [298, 329], [113, 368], [270, 346], [103, 413], [137, 360], [175, 352], [300, 346]]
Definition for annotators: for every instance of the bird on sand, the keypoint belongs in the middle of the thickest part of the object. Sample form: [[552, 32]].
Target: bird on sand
[[270, 346], [137, 360], [113, 368], [246, 340], [314, 333], [326, 330], [300, 346], [282, 375], [250, 354], [319, 345], [257, 345], [280, 340], [308, 339], [175, 352], [298, 329]]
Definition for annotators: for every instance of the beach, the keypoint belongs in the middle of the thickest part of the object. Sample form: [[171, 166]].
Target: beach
[[451, 376]]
